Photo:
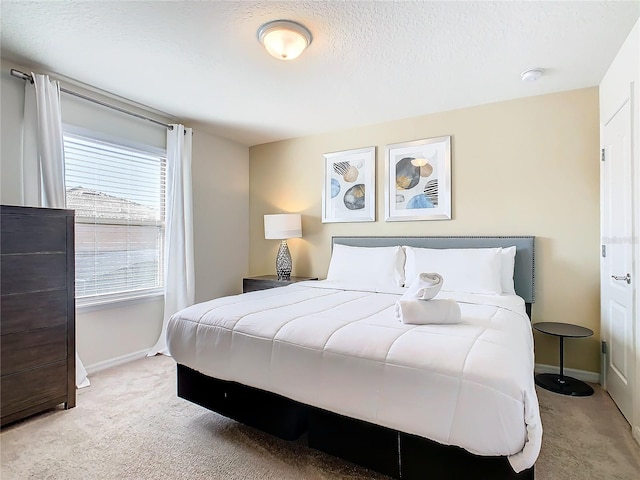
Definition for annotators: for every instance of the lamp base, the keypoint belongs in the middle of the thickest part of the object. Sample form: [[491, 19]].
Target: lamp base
[[283, 262]]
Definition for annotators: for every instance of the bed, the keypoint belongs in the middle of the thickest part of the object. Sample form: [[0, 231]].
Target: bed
[[329, 358]]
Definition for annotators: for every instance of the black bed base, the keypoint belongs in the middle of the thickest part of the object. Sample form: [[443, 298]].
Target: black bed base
[[396, 454], [402, 455], [265, 411]]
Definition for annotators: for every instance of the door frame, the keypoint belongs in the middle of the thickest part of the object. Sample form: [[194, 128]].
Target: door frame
[[629, 96], [635, 172], [606, 241]]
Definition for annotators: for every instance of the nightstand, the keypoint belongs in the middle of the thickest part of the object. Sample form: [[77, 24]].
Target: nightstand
[[562, 383], [263, 282]]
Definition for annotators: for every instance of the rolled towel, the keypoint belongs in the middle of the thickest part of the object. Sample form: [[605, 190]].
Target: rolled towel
[[417, 312], [424, 287]]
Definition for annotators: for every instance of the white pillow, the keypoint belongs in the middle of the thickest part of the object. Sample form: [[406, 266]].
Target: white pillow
[[469, 270], [367, 266], [508, 265]]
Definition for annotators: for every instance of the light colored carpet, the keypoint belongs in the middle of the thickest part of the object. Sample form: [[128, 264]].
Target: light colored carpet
[[131, 425]]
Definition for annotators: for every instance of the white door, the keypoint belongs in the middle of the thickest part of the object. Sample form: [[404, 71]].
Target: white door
[[617, 278]]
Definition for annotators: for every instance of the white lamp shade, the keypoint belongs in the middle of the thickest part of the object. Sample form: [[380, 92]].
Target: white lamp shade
[[284, 39], [282, 226]]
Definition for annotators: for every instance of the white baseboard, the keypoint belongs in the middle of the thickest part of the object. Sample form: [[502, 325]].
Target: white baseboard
[[585, 376], [112, 362]]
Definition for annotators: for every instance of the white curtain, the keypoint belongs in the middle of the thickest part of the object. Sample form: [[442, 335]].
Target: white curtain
[[179, 282], [43, 157]]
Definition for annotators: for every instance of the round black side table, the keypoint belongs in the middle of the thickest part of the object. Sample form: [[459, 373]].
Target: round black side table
[[561, 383]]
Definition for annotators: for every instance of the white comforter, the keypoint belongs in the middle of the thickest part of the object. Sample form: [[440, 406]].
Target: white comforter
[[342, 350]]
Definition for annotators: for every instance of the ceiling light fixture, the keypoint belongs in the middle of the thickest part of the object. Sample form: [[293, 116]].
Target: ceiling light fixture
[[531, 75], [284, 39]]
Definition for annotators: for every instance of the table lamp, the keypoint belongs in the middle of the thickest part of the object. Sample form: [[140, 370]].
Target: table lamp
[[280, 227]]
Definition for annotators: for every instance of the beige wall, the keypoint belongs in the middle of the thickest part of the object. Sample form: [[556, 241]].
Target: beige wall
[[522, 167], [116, 333], [11, 115], [220, 177], [220, 170]]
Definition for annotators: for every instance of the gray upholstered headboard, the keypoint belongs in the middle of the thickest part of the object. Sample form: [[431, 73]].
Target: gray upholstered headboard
[[523, 277]]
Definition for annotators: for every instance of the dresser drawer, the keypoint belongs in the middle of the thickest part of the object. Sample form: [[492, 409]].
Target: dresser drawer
[[30, 388], [29, 311], [20, 351], [30, 273], [24, 233]]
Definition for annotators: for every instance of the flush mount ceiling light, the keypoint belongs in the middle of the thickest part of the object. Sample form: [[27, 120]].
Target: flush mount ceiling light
[[531, 75], [284, 39]]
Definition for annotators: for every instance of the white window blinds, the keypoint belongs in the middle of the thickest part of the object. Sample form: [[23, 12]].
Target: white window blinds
[[118, 194]]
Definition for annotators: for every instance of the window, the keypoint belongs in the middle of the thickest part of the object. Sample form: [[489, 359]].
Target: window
[[118, 193]]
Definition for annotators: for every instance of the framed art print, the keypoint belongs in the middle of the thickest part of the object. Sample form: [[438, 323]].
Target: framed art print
[[418, 180], [349, 186]]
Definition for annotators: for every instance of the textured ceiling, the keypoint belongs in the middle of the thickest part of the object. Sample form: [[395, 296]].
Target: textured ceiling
[[369, 61]]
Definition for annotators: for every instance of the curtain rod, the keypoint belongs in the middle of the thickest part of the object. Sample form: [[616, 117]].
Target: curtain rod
[[26, 76]]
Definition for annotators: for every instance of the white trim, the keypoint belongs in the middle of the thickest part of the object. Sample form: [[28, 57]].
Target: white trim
[[114, 362], [584, 375], [107, 302]]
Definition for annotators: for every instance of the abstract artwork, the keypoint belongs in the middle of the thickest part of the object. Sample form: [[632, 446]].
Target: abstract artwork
[[418, 180], [349, 186]]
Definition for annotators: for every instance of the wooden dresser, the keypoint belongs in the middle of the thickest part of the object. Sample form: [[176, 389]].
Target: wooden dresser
[[37, 311]]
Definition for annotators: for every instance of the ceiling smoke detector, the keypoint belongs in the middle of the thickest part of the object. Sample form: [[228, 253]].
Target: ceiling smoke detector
[[531, 75]]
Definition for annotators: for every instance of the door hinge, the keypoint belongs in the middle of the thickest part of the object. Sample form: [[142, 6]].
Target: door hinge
[[604, 251], [604, 347], [602, 154]]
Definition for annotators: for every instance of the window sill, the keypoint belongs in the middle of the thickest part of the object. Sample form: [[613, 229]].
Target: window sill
[[106, 303]]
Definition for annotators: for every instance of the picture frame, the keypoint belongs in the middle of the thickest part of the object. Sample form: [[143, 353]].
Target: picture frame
[[349, 193], [418, 180]]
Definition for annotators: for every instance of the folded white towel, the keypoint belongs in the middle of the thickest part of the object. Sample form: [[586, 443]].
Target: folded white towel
[[417, 312], [424, 287]]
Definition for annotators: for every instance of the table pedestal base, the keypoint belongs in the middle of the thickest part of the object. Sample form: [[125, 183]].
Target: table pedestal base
[[566, 386]]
